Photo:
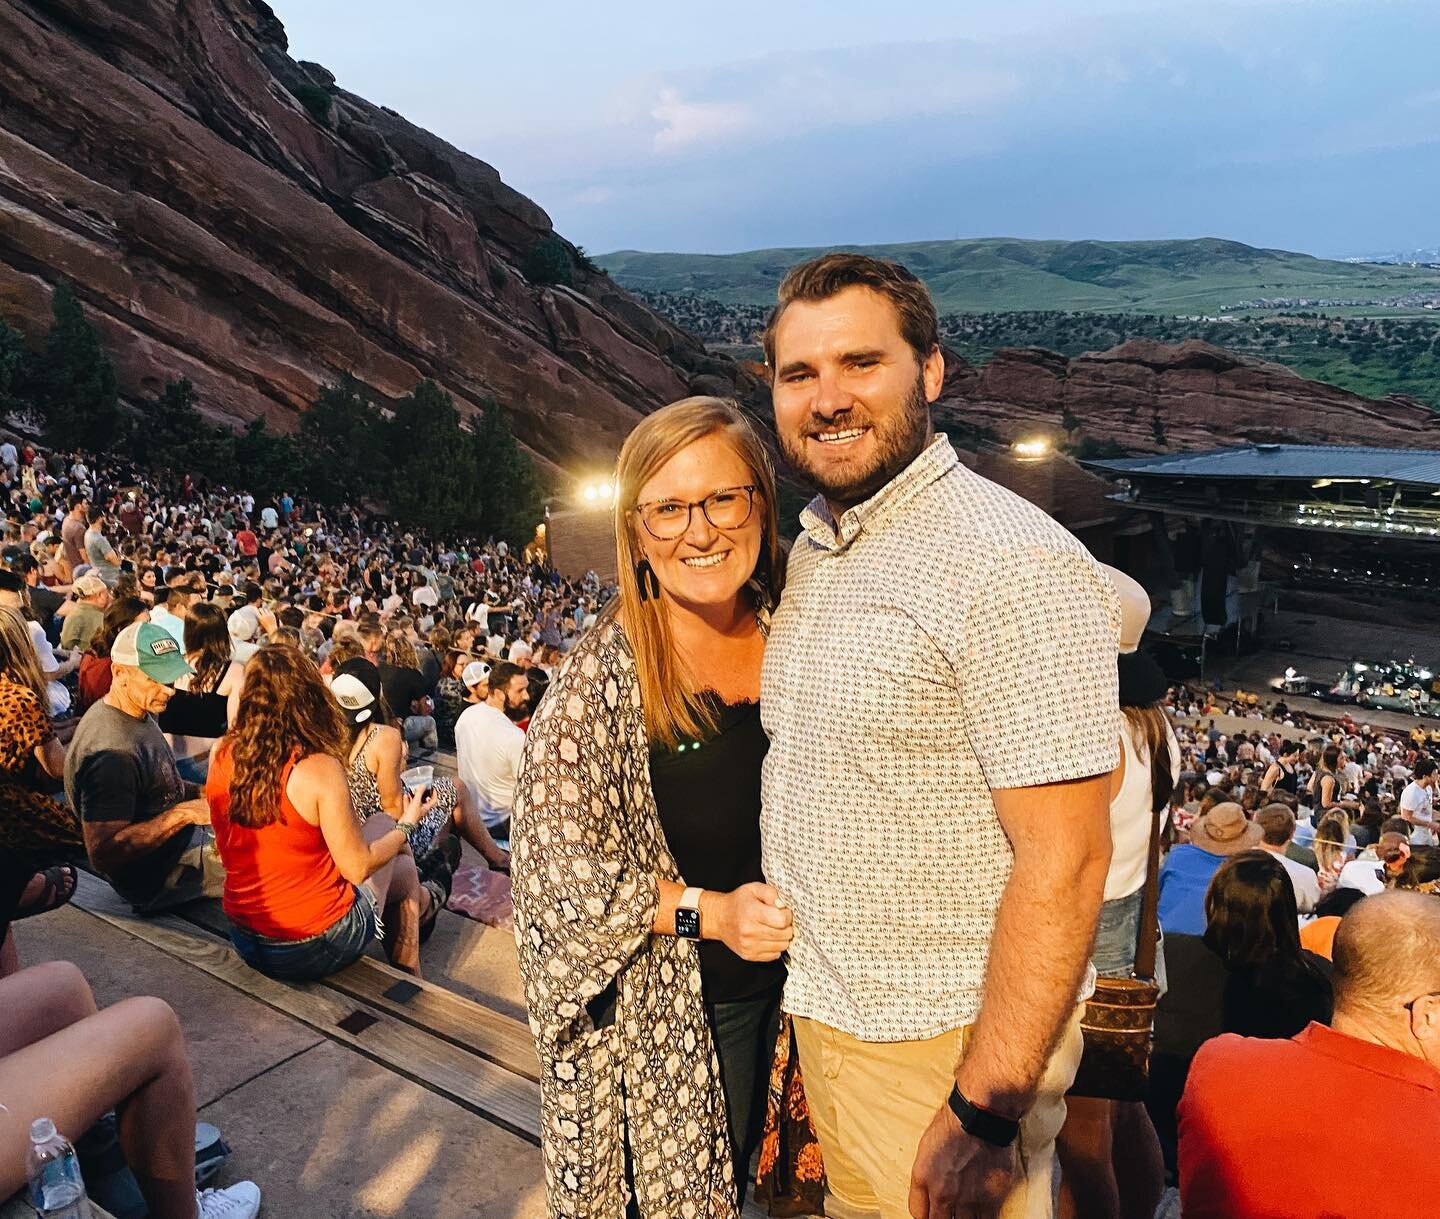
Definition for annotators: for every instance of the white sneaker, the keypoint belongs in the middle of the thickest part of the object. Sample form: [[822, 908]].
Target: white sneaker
[[238, 1201]]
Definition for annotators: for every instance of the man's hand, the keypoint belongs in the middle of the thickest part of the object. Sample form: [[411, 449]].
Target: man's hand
[[196, 812], [957, 1176]]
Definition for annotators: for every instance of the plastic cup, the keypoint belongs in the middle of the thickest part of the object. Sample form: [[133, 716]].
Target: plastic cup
[[417, 778]]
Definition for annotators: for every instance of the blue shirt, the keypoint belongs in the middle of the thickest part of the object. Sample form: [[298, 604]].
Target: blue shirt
[[1184, 877]]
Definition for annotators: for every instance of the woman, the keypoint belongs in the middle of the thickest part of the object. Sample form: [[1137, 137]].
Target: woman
[[1421, 872], [407, 696], [209, 650], [1247, 974], [641, 776], [375, 760], [453, 697], [94, 677], [1332, 838], [36, 833], [1280, 775], [306, 884], [1110, 1157], [1325, 782]]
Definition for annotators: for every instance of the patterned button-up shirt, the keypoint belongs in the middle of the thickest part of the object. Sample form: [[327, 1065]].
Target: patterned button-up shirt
[[943, 639]]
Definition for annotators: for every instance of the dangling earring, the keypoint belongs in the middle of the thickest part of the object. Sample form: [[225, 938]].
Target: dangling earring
[[648, 581]]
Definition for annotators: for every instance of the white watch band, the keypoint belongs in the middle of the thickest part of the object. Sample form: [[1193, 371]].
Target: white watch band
[[690, 899]]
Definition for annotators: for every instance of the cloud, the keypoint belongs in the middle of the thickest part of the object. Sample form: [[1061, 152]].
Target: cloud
[[684, 123]]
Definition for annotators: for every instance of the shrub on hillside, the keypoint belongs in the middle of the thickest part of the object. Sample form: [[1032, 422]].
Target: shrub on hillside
[[549, 263]]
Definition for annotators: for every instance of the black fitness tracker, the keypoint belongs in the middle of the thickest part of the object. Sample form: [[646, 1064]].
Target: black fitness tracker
[[981, 1123]]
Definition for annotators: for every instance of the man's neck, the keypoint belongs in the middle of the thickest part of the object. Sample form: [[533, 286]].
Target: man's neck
[[1364, 1026], [124, 704]]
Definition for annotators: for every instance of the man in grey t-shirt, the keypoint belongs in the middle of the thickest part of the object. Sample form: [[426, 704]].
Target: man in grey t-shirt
[[146, 830], [98, 552]]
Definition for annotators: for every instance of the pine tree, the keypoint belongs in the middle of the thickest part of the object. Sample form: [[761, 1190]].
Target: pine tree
[[433, 475], [75, 381], [512, 503], [14, 367], [341, 441]]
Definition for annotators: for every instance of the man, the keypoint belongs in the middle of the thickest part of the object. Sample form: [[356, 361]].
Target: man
[[1260, 1128], [138, 816], [476, 679], [246, 542], [940, 695], [72, 531], [92, 599], [269, 518], [1277, 828], [488, 745], [172, 614], [1186, 873], [1417, 802], [10, 459], [1375, 865], [44, 602], [98, 552]]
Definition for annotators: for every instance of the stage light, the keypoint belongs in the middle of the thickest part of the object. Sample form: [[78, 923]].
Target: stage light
[[1034, 449], [1290, 673]]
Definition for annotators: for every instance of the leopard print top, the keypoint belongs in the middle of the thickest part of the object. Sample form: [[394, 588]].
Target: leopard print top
[[32, 825]]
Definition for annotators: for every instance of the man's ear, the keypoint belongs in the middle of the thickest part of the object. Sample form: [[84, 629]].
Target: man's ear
[[933, 371]]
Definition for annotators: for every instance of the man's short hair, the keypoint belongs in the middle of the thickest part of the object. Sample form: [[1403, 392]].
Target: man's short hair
[[96, 513], [501, 673], [1424, 766], [1395, 825], [178, 597], [77, 500], [1387, 949], [10, 582], [23, 564], [253, 592], [1277, 824], [830, 274]]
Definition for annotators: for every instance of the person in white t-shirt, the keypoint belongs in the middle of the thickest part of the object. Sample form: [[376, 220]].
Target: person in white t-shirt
[[1277, 826], [1368, 873], [520, 652], [1417, 803], [489, 746]]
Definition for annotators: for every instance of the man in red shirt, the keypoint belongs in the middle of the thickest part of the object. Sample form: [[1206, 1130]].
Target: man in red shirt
[[245, 539], [1266, 1127]]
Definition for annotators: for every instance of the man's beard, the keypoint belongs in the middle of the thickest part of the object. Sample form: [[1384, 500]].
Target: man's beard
[[899, 439]]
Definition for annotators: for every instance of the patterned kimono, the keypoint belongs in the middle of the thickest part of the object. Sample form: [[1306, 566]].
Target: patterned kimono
[[619, 1023]]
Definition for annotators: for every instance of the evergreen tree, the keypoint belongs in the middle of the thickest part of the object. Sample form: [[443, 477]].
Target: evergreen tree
[[170, 432], [264, 462], [14, 368], [342, 438], [75, 381], [433, 475], [510, 496]]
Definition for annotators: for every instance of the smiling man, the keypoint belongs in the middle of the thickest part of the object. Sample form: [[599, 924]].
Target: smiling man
[[940, 695]]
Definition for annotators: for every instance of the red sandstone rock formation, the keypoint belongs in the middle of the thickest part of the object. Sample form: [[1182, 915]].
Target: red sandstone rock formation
[[154, 153], [1200, 396]]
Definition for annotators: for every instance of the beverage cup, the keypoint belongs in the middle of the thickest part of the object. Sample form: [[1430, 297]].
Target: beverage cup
[[417, 778]]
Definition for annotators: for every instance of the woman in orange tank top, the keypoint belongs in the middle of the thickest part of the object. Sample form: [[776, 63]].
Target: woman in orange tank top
[[305, 882]]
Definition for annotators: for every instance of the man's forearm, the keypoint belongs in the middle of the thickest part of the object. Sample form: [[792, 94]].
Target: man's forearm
[[1044, 930], [140, 838]]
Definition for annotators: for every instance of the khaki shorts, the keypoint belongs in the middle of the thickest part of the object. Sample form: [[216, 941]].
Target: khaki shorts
[[871, 1102], [197, 874]]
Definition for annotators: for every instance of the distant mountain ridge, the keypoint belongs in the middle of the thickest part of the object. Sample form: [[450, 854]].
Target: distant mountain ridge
[[1189, 276]]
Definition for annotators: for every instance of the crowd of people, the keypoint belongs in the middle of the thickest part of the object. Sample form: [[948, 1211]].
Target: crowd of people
[[888, 856]]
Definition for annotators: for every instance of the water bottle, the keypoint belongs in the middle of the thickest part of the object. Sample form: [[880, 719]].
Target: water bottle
[[57, 1190]]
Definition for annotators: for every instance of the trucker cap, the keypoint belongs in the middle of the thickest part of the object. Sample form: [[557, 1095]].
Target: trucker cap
[[151, 649]]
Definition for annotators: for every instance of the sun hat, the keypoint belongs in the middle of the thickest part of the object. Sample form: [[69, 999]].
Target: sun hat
[[474, 673], [1134, 607], [356, 687], [151, 649], [1225, 830]]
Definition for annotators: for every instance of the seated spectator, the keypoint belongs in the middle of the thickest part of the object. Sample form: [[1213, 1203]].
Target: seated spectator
[[1277, 828], [1318, 935], [1259, 1134], [215, 674], [376, 759], [1246, 974], [92, 598], [1333, 847], [489, 745], [95, 671], [307, 883], [37, 835], [1185, 876], [1420, 873], [451, 694], [146, 830], [408, 697], [62, 1058], [44, 601], [1376, 870], [246, 633]]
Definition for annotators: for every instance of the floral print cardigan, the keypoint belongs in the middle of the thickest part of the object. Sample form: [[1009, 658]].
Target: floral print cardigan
[[619, 1024]]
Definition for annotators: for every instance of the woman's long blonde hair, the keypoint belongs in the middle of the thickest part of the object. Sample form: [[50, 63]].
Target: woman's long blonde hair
[[673, 708], [17, 655]]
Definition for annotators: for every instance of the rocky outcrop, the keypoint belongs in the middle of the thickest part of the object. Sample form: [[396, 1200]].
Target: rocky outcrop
[[1159, 397], [158, 155]]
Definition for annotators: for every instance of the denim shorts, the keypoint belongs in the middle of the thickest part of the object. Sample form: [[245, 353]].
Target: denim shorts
[[1117, 936], [308, 960]]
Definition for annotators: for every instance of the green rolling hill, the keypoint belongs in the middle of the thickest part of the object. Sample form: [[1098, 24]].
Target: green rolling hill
[[1201, 276]]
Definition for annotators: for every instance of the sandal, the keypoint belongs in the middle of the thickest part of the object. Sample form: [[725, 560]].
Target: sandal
[[58, 885]]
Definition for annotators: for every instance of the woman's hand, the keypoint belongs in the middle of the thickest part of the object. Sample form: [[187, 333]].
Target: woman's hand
[[417, 804], [750, 921]]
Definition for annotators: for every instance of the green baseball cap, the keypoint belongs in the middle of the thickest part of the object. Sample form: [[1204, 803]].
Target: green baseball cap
[[151, 649]]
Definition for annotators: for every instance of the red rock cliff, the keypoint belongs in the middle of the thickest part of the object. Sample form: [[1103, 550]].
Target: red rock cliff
[[154, 153]]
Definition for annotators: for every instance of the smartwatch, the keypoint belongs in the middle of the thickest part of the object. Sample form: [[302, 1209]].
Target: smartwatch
[[687, 914], [983, 1124]]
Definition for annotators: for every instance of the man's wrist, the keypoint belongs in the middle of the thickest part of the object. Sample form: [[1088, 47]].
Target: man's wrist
[[1005, 1098]]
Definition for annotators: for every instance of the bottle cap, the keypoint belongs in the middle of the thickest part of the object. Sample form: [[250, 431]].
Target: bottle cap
[[42, 1130]]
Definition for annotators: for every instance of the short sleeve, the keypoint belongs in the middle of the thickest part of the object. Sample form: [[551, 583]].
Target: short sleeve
[[28, 724], [1038, 674], [106, 787]]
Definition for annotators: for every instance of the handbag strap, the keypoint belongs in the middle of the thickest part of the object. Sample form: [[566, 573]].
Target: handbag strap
[[1149, 906]]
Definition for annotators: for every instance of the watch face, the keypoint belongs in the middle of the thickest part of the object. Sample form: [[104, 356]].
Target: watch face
[[687, 924]]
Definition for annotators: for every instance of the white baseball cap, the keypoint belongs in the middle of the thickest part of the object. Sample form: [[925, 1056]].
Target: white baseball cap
[[474, 673]]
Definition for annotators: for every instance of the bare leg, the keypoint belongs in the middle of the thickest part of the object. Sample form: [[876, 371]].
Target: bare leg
[[400, 898], [130, 1057], [9, 956], [1085, 1147], [1139, 1163], [471, 826]]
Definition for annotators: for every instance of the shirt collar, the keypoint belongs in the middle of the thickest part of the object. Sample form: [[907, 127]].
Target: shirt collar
[[936, 460], [1380, 1059]]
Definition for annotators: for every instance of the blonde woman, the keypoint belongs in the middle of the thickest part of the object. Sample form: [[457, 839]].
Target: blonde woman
[[649, 945]]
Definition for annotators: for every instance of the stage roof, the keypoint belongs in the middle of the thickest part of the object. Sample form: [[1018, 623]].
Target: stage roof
[[1307, 462]]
